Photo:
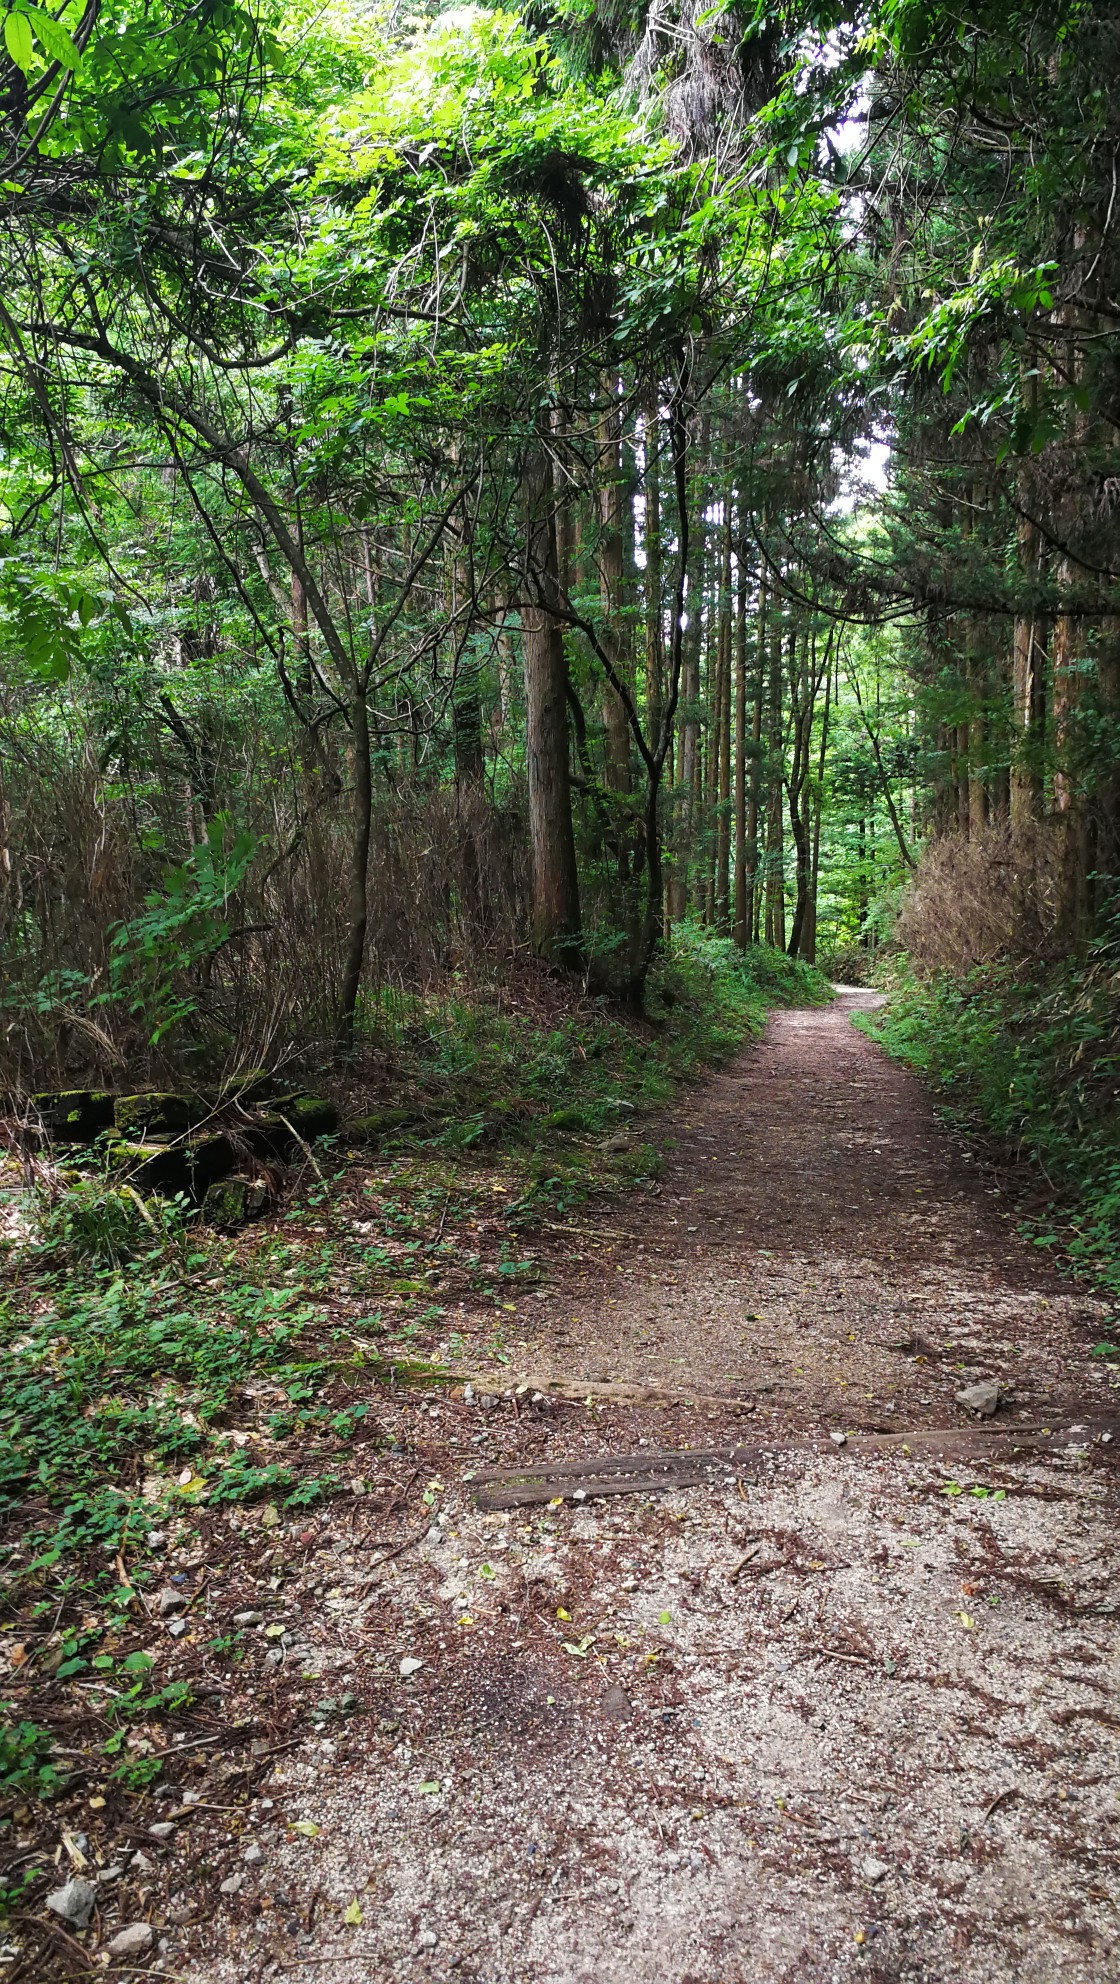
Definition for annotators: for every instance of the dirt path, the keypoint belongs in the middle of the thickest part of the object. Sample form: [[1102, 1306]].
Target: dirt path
[[855, 1717]]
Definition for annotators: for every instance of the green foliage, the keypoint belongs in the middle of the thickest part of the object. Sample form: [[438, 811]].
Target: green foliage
[[25, 1757], [154, 954], [95, 1220], [1033, 1061]]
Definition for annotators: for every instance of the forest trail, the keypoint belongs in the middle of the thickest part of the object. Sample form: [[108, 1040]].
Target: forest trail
[[818, 1242], [852, 1717]]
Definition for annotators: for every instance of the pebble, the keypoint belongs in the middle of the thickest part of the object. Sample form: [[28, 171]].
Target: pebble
[[248, 1618], [427, 1940], [873, 1870], [171, 1601], [74, 1903], [135, 1940], [231, 1884], [251, 1855], [157, 1539], [177, 1628], [270, 1516], [163, 1829], [410, 1665], [982, 1399], [839, 1439]]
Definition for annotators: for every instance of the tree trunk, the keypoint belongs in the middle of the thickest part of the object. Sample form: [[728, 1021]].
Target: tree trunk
[[722, 740], [357, 907], [556, 914], [742, 924], [615, 632]]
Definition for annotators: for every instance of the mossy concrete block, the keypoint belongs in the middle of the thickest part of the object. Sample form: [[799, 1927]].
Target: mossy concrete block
[[253, 1086], [308, 1115], [156, 1113], [209, 1159], [75, 1115], [151, 1167], [232, 1202]]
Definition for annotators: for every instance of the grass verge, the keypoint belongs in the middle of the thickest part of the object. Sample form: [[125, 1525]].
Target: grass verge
[[1032, 1061]]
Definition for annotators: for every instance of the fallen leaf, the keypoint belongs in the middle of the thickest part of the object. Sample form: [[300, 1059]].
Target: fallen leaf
[[562, 1612], [353, 1916], [965, 1620], [431, 1785], [307, 1827]]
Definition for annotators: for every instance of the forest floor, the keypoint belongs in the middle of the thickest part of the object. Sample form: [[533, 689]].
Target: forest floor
[[848, 1708]]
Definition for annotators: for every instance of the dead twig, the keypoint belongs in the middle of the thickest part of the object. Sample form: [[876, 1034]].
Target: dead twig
[[1010, 1791], [406, 1542], [752, 1553]]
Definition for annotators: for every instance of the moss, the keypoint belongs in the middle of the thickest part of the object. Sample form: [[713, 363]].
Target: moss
[[232, 1202], [308, 1115], [379, 1123], [156, 1113], [571, 1119]]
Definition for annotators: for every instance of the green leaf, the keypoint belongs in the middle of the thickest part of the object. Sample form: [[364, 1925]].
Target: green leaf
[[17, 39], [53, 38]]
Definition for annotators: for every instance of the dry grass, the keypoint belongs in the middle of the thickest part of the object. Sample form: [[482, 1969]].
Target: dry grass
[[992, 896]]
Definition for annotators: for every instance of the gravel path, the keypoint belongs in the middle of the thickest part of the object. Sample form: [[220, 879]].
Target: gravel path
[[854, 1717]]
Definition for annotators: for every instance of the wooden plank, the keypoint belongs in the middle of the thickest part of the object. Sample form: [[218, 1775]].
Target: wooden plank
[[645, 1473]]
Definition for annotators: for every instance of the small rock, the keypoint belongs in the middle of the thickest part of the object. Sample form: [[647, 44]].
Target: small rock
[[231, 1884], [873, 1870], [157, 1539], [410, 1665], [135, 1940], [982, 1399], [468, 1394], [177, 1628], [616, 1704], [140, 1864], [163, 1829], [251, 1855], [73, 1904], [270, 1516], [839, 1439], [171, 1601], [427, 1940], [109, 1874], [248, 1618]]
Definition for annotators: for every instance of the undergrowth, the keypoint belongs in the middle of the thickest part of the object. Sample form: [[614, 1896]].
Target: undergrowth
[[152, 1370], [1034, 1061]]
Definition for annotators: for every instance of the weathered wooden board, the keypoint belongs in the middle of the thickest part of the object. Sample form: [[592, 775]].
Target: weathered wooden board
[[645, 1473]]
